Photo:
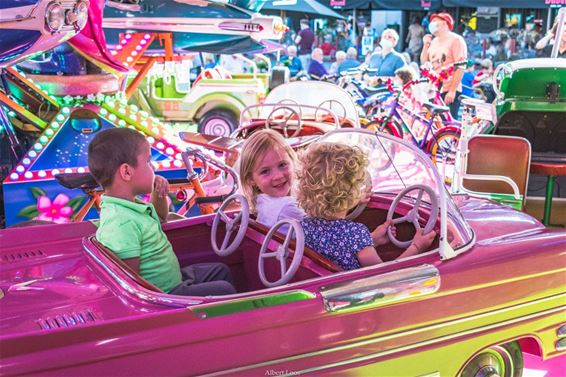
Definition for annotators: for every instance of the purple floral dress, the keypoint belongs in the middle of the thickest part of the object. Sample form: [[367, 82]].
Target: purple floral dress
[[338, 240]]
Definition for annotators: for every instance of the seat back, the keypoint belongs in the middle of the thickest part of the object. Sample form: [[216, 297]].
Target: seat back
[[490, 155]]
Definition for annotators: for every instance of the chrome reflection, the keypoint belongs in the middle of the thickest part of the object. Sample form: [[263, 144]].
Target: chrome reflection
[[382, 289]]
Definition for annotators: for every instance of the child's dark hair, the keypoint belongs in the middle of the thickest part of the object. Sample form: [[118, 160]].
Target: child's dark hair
[[111, 148], [406, 74]]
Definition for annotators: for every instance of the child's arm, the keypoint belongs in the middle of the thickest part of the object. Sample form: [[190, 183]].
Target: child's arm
[[133, 263], [368, 256], [159, 197]]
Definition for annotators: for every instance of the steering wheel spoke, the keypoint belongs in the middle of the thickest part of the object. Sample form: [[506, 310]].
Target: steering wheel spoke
[[226, 239], [282, 252], [418, 201], [239, 223], [399, 220], [269, 255], [282, 266], [287, 114], [416, 223], [224, 217], [329, 108]]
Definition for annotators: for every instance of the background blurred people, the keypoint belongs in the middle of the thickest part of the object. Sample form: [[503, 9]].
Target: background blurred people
[[387, 60], [292, 61], [305, 40], [415, 39], [328, 49], [441, 52], [340, 58], [351, 60], [316, 68]]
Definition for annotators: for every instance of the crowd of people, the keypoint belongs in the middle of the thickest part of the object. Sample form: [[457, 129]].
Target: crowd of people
[[435, 42]]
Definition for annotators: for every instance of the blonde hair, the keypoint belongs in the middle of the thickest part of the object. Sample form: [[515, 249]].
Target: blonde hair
[[255, 147], [331, 177]]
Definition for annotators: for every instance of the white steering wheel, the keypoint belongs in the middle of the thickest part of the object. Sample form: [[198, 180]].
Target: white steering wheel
[[413, 215], [287, 114], [241, 220], [282, 252]]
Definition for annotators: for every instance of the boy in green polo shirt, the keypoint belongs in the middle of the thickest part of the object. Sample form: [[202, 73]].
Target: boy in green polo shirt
[[120, 161]]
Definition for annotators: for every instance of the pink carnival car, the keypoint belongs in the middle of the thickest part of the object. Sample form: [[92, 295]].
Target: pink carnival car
[[491, 286]]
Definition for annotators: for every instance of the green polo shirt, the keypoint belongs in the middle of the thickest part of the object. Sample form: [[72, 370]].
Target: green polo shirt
[[133, 230]]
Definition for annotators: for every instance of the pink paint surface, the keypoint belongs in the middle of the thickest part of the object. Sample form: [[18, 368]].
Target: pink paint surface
[[536, 367]]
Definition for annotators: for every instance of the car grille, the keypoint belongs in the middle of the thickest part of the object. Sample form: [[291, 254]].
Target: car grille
[[21, 255]]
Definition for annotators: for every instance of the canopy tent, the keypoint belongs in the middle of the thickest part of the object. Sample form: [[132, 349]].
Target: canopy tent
[[385, 4], [299, 7], [490, 3]]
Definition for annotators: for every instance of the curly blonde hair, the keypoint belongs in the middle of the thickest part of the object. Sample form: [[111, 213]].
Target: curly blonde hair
[[330, 179], [255, 148]]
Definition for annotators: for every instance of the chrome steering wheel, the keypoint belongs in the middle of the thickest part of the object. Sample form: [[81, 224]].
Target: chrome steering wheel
[[295, 231], [241, 220], [413, 215]]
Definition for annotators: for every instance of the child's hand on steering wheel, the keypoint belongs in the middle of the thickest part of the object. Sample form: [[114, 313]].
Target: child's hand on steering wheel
[[379, 235], [423, 241]]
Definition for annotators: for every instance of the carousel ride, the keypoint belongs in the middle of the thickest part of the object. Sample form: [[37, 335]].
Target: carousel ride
[[53, 107]]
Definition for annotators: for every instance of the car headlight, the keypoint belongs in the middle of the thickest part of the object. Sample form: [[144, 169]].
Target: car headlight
[[78, 16], [54, 17]]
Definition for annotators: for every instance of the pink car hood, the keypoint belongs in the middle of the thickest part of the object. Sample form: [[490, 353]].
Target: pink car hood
[[49, 282]]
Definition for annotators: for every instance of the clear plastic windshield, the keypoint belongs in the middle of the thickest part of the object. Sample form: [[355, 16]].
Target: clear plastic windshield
[[396, 165]]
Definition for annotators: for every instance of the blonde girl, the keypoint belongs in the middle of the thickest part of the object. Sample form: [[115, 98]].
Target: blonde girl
[[331, 181], [266, 173]]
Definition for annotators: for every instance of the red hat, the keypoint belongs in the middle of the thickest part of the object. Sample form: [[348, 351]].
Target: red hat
[[445, 17]]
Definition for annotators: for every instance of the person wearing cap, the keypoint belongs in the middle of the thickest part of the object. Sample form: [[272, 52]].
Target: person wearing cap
[[444, 50]]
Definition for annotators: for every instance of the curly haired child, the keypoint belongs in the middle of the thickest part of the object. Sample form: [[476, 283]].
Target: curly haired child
[[331, 181], [266, 173]]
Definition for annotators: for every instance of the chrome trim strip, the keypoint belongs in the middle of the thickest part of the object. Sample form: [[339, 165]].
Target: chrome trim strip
[[140, 293], [179, 301], [403, 348], [383, 289]]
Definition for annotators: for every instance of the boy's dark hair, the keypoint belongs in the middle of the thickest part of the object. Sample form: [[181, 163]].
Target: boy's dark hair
[[111, 148]]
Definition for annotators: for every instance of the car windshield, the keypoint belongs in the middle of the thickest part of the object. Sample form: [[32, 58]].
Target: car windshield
[[395, 165]]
